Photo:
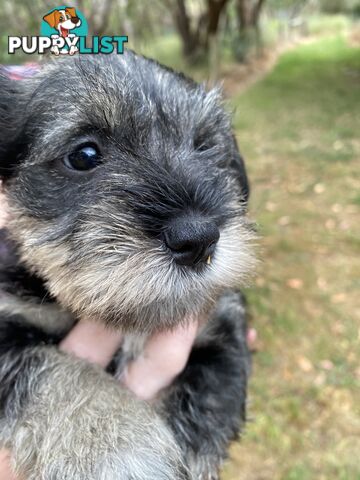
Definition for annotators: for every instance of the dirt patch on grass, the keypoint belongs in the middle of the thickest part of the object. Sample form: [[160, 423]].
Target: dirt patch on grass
[[354, 37], [241, 76]]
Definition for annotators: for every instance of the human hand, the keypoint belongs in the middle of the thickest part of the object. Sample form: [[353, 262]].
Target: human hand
[[164, 357]]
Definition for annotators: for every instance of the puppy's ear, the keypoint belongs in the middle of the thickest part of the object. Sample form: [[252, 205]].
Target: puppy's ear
[[238, 165], [10, 126], [71, 11], [52, 18]]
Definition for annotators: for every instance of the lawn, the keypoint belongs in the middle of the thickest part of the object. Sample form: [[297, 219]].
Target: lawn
[[299, 131]]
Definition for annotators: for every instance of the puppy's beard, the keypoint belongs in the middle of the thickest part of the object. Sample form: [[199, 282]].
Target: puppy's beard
[[131, 282]]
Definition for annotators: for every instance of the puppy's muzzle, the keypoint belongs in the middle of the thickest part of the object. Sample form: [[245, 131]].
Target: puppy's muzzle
[[191, 240]]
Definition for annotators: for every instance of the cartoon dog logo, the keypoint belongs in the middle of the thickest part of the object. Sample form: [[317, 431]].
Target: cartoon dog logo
[[63, 20]]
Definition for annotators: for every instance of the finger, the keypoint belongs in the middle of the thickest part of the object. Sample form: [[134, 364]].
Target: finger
[[92, 341], [5, 468], [3, 209], [251, 337], [164, 357]]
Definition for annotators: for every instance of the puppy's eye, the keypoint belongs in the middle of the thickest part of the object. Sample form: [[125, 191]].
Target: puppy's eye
[[203, 147], [201, 144], [86, 157]]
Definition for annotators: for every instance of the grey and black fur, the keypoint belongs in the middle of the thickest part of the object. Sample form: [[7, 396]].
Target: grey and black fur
[[95, 243]]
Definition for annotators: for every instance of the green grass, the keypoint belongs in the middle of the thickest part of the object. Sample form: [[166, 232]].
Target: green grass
[[299, 131]]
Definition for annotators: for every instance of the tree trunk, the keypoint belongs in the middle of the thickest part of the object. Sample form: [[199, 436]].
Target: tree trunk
[[242, 13], [214, 58], [248, 13], [182, 22], [215, 9], [255, 14], [196, 38]]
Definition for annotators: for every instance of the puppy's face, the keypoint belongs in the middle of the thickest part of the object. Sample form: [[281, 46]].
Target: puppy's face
[[126, 190], [63, 20]]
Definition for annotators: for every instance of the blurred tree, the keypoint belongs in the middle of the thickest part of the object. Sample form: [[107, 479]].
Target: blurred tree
[[190, 35], [139, 21], [197, 24], [97, 14], [189, 24], [339, 6], [248, 13], [215, 10]]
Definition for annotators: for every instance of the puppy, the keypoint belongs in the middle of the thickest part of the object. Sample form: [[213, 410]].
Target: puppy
[[127, 204], [63, 20]]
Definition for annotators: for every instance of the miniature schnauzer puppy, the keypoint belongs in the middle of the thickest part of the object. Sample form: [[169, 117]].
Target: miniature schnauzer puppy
[[127, 204]]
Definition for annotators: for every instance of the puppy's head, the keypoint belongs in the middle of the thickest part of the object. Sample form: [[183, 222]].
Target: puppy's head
[[126, 189], [64, 20]]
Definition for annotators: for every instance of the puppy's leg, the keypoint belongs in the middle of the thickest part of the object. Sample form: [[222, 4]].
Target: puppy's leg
[[206, 406], [64, 419]]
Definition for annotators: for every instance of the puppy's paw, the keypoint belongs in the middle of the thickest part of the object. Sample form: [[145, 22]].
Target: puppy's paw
[[80, 425], [55, 50], [73, 50]]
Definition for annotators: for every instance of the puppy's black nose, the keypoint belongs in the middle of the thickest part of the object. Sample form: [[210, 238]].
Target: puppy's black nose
[[191, 241]]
